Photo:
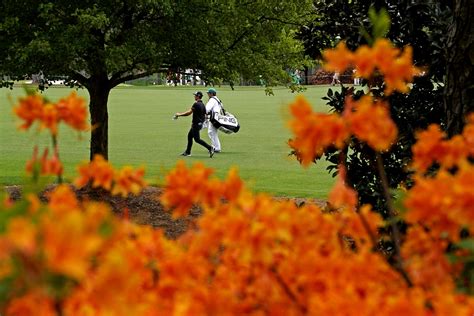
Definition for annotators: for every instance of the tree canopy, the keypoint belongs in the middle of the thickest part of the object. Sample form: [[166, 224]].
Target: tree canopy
[[100, 44]]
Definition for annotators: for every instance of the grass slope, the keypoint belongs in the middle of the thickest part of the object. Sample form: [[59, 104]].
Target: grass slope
[[141, 132]]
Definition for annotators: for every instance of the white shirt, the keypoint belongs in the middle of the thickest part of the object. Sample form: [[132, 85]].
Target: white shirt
[[213, 105]]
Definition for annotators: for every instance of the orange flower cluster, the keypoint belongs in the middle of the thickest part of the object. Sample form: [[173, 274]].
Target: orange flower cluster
[[445, 202], [426, 260], [44, 166], [369, 121], [100, 173], [395, 65], [252, 249], [72, 110], [433, 147], [453, 209], [250, 254], [314, 132], [207, 191], [48, 252]]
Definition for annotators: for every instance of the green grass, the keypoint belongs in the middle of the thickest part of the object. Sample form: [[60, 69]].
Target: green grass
[[141, 132]]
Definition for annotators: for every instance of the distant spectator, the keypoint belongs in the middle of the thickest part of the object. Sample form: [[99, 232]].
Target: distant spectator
[[356, 79], [335, 79]]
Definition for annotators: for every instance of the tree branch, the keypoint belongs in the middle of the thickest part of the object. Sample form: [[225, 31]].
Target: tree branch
[[241, 36], [392, 213], [343, 162], [271, 18], [122, 78], [288, 291], [83, 80]]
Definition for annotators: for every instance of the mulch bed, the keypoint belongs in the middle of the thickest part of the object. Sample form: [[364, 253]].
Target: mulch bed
[[144, 208]]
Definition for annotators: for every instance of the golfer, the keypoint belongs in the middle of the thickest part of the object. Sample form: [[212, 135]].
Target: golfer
[[199, 116]]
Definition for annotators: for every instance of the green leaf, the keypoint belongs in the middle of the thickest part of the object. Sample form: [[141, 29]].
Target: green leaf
[[5, 288], [452, 258], [467, 244], [59, 285], [380, 22], [399, 197], [106, 229]]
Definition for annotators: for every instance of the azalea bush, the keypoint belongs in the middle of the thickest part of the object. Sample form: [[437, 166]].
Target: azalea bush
[[423, 25], [249, 253]]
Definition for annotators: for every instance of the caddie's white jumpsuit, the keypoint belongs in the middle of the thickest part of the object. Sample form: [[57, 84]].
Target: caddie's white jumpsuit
[[213, 105]]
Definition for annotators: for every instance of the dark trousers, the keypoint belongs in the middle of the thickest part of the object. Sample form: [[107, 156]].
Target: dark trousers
[[194, 134]]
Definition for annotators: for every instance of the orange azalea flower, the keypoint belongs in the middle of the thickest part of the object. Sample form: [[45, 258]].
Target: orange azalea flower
[[455, 151], [337, 59], [233, 185], [99, 171], [102, 172], [47, 166], [29, 109], [125, 267], [49, 118], [63, 199], [8, 202], [426, 261], [384, 54], [35, 203], [431, 147], [444, 213], [314, 132], [44, 162], [32, 303], [128, 181], [400, 72], [84, 175], [54, 164], [427, 148], [32, 163], [371, 122], [6, 259], [70, 240], [185, 187], [73, 111], [396, 66], [364, 62], [51, 166], [21, 233]]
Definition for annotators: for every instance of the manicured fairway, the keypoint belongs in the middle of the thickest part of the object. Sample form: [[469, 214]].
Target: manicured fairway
[[141, 132]]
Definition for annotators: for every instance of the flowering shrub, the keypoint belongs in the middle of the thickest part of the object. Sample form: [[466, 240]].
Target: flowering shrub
[[248, 253]]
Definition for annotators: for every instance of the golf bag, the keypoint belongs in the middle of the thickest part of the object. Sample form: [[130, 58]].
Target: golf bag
[[224, 121]]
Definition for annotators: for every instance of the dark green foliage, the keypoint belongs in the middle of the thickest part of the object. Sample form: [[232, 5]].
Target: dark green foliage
[[417, 23]]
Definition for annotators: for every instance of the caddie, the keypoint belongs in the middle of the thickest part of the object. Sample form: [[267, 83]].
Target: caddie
[[213, 105]]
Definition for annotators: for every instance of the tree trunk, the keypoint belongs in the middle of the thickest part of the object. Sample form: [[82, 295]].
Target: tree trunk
[[459, 98], [99, 90]]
